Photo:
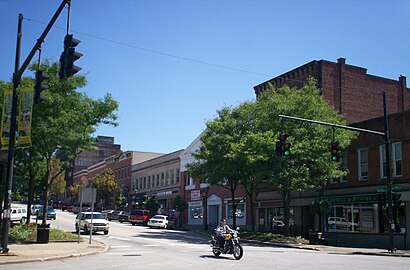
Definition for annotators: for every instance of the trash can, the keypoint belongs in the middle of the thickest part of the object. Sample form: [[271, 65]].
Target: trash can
[[314, 237], [43, 233]]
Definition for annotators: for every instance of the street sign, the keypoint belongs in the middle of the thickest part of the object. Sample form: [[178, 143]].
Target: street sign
[[393, 188]]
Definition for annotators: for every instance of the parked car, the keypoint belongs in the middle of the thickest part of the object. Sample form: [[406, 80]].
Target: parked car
[[341, 223], [99, 224], [124, 217], [51, 213], [113, 215], [85, 208], [58, 205], [106, 212], [140, 217], [18, 214], [160, 221]]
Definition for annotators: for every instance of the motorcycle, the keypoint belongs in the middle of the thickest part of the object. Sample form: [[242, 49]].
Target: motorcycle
[[231, 245]]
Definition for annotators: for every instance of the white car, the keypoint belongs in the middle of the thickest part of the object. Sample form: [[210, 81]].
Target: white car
[[99, 223], [18, 214], [341, 223], [160, 221]]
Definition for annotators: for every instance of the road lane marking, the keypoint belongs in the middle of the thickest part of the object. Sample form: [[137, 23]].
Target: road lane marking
[[120, 238]]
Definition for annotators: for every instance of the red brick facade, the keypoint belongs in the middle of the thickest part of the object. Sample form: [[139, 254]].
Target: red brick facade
[[349, 89]]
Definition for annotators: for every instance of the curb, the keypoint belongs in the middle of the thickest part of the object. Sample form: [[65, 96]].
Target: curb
[[57, 257]]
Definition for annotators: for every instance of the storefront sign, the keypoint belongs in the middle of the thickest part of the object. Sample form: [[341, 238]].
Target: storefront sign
[[195, 195], [353, 199]]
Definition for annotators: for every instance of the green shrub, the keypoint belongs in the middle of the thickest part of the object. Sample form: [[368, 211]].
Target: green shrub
[[25, 232], [22, 232]]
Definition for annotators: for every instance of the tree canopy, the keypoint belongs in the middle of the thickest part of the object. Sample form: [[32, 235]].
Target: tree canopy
[[64, 123], [238, 146]]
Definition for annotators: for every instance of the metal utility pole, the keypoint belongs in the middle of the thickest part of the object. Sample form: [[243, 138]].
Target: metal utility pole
[[387, 144], [12, 139], [18, 72]]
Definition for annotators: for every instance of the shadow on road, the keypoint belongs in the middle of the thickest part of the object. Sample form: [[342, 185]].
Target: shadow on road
[[217, 258]]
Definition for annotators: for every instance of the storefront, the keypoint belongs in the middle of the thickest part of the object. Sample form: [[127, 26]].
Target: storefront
[[271, 216], [362, 214]]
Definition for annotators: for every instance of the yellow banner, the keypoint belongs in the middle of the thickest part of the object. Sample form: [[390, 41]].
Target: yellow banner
[[25, 112], [6, 119]]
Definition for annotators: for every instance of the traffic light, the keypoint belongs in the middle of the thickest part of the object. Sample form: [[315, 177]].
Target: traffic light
[[283, 147], [334, 149], [68, 57], [286, 149], [39, 86], [396, 199]]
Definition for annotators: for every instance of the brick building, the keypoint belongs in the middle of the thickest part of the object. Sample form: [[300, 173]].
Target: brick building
[[121, 165], [349, 89], [356, 201], [158, 177]]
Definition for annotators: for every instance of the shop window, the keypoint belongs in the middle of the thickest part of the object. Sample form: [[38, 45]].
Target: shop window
[[240, 213], [353, 218]]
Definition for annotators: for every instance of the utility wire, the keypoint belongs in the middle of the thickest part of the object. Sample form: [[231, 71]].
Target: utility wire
[[159, 52], [195, 60]]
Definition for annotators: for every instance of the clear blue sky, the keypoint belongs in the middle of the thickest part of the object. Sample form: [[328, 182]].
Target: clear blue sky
[[173, 64]]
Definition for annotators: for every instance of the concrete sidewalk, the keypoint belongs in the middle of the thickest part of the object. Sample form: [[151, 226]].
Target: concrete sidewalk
[[28, 252]]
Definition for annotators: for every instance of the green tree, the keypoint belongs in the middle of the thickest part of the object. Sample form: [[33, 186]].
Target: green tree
[[149, 203], [239, 145], [106, 186], [180, 205], [64, 122], [310, 162], [217, 161]]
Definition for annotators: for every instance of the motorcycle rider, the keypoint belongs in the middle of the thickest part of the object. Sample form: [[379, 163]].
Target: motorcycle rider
[[221, 230]]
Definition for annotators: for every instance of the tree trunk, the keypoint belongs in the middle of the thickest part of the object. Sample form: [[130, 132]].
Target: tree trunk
[[252, 208], [233, 206]]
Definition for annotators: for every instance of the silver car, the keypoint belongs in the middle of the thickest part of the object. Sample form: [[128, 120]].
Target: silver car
[[91, 221]]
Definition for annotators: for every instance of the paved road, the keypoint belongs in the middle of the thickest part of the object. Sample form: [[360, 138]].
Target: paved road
[[137, 247]]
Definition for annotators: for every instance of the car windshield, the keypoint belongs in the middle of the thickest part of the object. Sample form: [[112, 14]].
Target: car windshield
[[95, 216], [50, 208], [159, 217]]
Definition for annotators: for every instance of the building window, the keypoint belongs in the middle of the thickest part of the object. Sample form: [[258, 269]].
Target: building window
[[343, 167], [240, 213], [172, 177], [158, 180], [397, 159], [145, 183], [177, 174], [162, 179], [149, 181], [383, 162], [190, 181], [363, 166]]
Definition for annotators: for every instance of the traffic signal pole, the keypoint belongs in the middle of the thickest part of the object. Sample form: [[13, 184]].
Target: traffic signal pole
[[386, 136], [18, 72]]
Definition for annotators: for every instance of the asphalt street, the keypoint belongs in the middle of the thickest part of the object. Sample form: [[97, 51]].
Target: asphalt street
[[138, 247]]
